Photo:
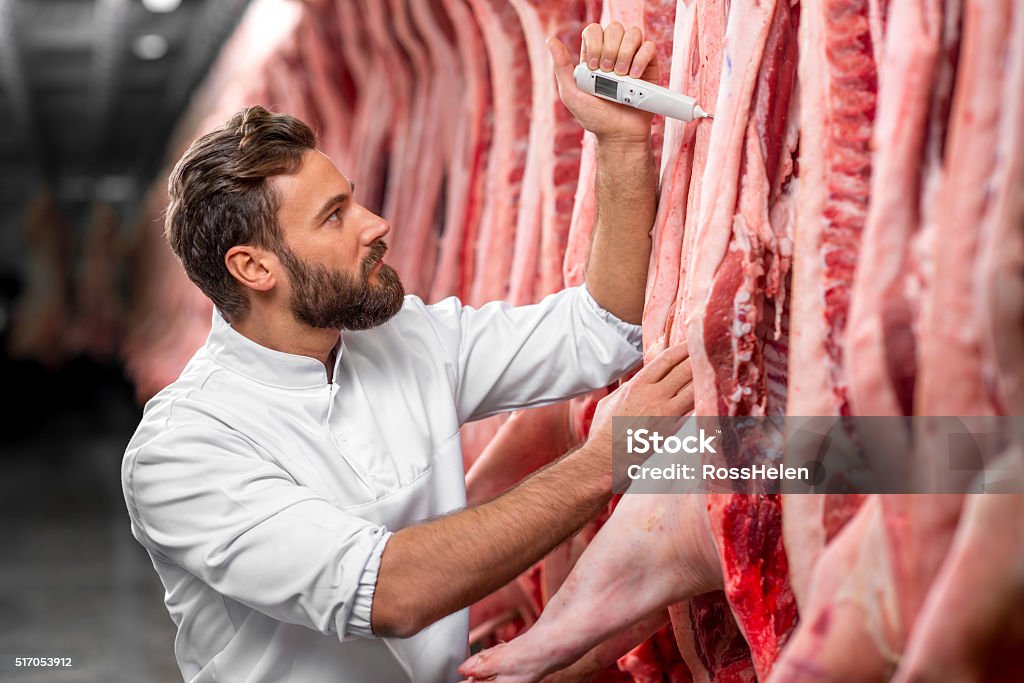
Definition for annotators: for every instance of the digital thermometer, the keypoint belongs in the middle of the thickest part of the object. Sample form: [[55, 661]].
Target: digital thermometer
[[640, 94]]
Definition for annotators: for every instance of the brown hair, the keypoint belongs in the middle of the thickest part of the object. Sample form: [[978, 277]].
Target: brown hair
[[219, 197]]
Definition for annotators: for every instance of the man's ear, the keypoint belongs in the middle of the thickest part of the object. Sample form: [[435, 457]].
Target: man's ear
[[253, 267]]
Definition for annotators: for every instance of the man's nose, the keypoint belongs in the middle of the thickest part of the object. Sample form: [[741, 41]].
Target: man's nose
[[378, 228]]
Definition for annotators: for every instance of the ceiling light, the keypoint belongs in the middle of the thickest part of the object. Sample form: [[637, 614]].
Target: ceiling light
[[161, 6], [150, 46]]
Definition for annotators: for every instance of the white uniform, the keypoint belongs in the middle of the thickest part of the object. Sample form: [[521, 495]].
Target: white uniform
[[264, 494]]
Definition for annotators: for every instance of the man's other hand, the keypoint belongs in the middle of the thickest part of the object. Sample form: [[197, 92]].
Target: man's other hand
[[663, 388]]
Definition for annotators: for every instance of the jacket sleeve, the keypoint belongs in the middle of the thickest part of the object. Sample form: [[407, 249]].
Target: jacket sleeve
[[508, 357], [203, 498]]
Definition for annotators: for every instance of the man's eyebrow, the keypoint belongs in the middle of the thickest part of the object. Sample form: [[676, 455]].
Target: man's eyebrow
[[325, 209]]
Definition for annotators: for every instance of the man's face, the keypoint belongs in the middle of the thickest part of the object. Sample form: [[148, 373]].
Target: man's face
[[333, 250]]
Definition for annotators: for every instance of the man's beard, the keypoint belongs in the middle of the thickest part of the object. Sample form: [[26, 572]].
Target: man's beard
[[332, 299]]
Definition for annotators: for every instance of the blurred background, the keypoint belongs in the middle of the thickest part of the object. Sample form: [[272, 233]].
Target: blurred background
[[91, 94]]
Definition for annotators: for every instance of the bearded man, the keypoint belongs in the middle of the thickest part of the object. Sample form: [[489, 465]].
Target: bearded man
[[299, 488]]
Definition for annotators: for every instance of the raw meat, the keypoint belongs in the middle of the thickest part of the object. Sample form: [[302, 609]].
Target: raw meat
[[964, 634], [490, 257], [657, 20], [433, 79], [370, 98], [850, 617], [553, 157], [654, 550], [1000, 265], [736, 269], [330, 83], [748, 535], [950, 339], [920, 528], [851, 602], [677, 158], [465, 197], [880, 347], [713, 646], [710, 33], [528, 440], [734, 243], [383, 95], [839, 83], [97, 318], [902, 563], [386, 23], [506, 164], [656, 660], [289, 94], [43, 308]]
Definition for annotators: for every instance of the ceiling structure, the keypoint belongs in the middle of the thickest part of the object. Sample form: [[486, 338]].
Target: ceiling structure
[[90, 91]]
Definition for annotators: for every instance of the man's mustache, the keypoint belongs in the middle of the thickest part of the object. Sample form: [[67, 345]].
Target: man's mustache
[[377, 251]]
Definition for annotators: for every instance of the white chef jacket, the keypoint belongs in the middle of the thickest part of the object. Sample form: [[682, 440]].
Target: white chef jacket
[[265, 494]]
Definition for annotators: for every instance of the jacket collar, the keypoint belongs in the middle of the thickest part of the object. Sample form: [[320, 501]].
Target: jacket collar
[[232, 349]]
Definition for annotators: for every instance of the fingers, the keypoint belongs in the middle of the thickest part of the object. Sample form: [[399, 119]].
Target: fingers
[[562, 65], [593, 42], [618, 49], [679, 376], [631, 40], [610, 47], [684, 401], [645, 62], [479, 667], [663, 363]]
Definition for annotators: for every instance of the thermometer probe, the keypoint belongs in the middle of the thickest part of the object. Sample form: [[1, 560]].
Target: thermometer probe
[[640, 94]]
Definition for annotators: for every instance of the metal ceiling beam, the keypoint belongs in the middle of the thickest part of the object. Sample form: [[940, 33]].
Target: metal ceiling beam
[[60, 38], [110, 30], [12, 79]]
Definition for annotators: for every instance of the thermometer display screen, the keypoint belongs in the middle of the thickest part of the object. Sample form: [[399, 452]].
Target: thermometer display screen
[[606, 86]]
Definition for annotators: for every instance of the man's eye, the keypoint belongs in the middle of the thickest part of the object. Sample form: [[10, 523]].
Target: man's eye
[[334, 217]]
